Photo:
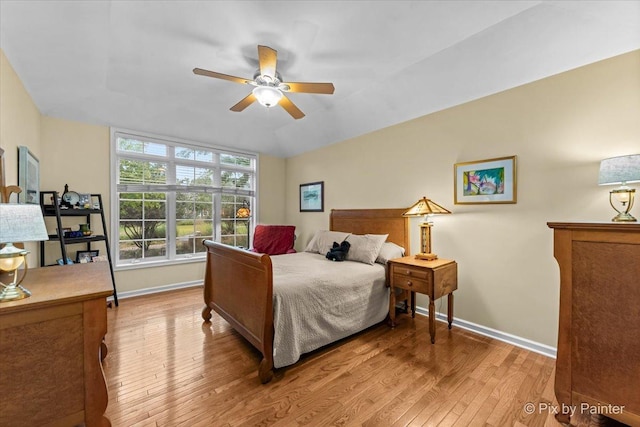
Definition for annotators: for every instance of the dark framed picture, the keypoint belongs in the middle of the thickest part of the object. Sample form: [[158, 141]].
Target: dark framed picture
[[312, 197], [84, 257], [28, 176], [485, 181]]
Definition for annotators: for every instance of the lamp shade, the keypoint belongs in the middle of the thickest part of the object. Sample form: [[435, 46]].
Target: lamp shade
[[267, 95], [620, 170], [21, 223], [425, 206], [243, 211]]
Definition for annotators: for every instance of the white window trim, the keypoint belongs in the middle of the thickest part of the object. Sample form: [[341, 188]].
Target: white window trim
[[113, 220]]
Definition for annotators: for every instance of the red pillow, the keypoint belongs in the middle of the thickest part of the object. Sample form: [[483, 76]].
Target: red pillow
[[274, 239]]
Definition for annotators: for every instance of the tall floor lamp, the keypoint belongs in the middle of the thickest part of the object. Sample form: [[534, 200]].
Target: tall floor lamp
[[425, 207], [245, 213]]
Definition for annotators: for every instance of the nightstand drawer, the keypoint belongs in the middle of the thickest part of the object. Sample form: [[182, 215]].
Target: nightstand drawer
[[414, 284], [417, 273]]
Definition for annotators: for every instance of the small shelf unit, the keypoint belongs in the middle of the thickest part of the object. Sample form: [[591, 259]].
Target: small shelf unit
[[54, 209]]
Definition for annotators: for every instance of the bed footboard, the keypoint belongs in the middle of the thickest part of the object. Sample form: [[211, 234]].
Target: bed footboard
[[238, 285]]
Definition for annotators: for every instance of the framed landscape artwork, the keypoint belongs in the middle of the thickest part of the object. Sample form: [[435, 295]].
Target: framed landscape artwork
[[28, 176], [485, 181], [312, 197]]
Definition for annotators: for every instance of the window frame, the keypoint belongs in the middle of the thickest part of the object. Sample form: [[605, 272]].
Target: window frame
[[173, 258]]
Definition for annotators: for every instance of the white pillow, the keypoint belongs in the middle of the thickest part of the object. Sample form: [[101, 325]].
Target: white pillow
[[323, 240], [389, 251], [365, 248]]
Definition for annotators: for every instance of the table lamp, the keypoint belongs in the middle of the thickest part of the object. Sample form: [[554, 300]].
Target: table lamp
[[244, 212], [18, 223], [621, 171], [427, 208]]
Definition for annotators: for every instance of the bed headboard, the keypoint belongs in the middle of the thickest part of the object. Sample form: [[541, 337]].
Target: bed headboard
[[373, 221]]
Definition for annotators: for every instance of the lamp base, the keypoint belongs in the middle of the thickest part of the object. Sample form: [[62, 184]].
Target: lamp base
[[426, 257], [13, 293], [624, 217]]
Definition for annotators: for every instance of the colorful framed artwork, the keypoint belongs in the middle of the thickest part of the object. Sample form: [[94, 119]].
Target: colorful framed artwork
[[28, 176], [312, 197], [485, 181]]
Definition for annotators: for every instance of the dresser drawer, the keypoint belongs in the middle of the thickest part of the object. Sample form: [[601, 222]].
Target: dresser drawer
[[412, 283]]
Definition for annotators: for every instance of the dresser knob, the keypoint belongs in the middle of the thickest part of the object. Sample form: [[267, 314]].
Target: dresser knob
[[409, 283], [408, 272]]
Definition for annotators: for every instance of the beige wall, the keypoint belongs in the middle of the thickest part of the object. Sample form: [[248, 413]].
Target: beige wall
[[559, 127], [77, 154], [271, 182], [19, 125]]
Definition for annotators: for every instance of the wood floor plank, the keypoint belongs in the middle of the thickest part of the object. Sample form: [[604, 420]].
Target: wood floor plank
[[166, 367]]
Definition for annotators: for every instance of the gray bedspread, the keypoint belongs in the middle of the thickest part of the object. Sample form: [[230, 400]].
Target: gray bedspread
[[317, 302]]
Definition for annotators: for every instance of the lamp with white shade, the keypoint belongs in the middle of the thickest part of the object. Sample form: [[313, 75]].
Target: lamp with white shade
[[621, 170], [18, 223]]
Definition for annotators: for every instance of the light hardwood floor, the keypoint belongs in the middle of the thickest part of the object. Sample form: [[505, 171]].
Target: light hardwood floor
[[166, 367]]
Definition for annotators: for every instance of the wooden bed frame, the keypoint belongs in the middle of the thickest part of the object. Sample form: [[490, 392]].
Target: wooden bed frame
[[238, 284]]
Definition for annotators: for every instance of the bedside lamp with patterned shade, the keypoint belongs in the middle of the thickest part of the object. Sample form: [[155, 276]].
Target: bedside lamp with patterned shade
[[425, 207]]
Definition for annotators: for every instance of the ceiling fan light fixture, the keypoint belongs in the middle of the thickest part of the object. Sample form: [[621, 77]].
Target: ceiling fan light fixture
[[267, 96]]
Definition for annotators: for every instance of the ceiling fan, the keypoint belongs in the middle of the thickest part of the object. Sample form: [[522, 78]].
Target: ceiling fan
[[269, 87]]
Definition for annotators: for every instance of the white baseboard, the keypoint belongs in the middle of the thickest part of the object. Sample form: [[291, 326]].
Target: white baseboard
[[498, 335], [157, 289]]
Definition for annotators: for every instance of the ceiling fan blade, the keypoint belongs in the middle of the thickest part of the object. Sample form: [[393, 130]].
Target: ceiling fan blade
[[213, 74], [326, 88], [244, 103], [291, 108], [268, 58]]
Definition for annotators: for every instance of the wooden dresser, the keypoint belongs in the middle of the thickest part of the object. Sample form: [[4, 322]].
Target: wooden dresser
[[598, 361], [50, 368]]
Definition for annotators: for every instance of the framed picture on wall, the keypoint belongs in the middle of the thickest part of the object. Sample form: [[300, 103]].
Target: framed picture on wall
[[28, 176], [312, 197], [485, 181]]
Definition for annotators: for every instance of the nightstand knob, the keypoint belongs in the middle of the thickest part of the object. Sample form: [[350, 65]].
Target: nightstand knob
[[409, 283], [408, 272]]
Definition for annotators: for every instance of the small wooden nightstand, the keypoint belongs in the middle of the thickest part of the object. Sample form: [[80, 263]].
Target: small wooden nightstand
[[433, 278]]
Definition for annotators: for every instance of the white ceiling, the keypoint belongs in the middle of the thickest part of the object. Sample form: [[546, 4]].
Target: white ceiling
[[129, 64]]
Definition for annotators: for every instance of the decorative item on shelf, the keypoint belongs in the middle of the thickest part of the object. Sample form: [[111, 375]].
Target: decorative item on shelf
[[65, 231], [621, 171], [73, 234], [69, 198], [83, 257], [18, 223], [85, 230], [84, 201], [427, 208]]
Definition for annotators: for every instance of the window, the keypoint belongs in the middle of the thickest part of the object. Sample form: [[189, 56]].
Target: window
[[170, 195]]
